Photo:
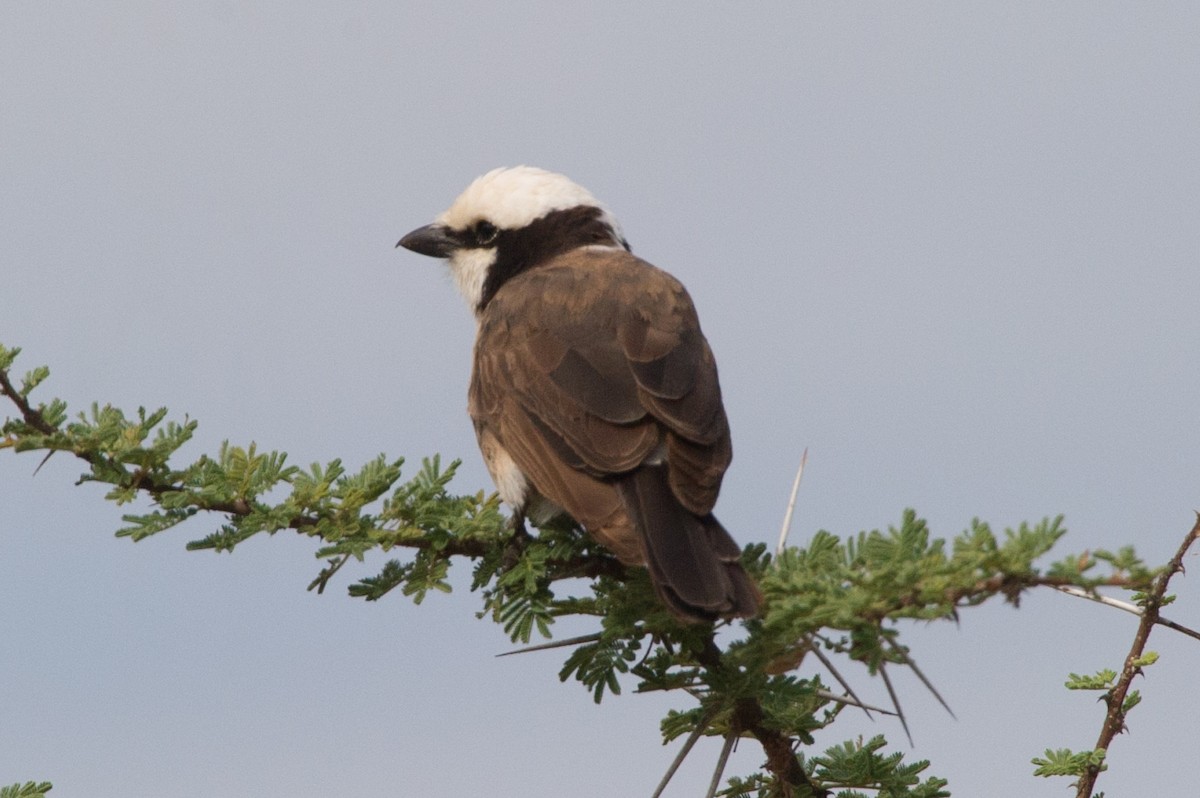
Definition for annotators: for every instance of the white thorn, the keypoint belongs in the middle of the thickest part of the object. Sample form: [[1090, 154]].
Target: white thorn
[[791, 507]]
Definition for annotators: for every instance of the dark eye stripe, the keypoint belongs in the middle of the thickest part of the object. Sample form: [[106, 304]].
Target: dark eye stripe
[[542, 239]]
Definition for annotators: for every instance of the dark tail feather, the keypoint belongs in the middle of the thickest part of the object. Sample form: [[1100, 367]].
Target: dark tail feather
[[692, 560]]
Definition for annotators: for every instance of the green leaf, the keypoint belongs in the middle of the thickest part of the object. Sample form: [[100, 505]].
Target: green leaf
[[143, 526], [598, 664], [1064, 762], [8, 356], [29, 789], [855, 764], [1101, 680]]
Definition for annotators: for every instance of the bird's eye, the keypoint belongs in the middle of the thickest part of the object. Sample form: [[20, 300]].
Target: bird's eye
[[485, 233]]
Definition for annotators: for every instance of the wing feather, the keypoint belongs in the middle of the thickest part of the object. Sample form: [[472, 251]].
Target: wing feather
[[603, 354]]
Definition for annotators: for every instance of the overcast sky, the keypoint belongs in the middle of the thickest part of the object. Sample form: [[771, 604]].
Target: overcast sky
[[950, 248]]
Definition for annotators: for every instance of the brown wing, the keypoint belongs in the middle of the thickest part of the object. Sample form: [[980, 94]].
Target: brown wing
[[595, 364], [591, 372]]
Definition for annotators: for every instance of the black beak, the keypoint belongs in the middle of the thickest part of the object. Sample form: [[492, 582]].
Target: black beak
[[434, 240]]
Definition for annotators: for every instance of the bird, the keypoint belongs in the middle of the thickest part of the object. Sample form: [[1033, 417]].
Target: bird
[[593, 391]]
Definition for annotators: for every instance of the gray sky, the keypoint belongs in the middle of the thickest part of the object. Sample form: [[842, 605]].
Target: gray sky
[[951, 248]]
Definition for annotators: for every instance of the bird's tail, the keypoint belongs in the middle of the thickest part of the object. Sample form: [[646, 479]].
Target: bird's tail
[[694, 563]]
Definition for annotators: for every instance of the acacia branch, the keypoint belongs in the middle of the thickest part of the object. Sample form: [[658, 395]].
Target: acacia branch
[[1114, 719], [138, 479], [1006, 584], [748, 718], [155, 486], [137, 470]]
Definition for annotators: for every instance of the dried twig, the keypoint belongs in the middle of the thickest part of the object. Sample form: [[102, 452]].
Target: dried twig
[[791, 506], [1126, 606]]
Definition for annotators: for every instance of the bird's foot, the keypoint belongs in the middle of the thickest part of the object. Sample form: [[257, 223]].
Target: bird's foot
[[518, 537]]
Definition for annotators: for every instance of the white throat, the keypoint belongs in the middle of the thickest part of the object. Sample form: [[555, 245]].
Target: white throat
[[469, 268]]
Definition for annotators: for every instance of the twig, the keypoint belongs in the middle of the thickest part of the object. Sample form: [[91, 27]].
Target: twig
[[1126, 606], [1114, 719], [327, 573], [791, 506], [32, 416]]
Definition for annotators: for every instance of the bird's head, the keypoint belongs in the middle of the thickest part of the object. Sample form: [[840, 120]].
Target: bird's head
[[510, 220]]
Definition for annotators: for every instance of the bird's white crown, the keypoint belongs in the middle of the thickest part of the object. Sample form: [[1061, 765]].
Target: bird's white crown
[[512, 197]]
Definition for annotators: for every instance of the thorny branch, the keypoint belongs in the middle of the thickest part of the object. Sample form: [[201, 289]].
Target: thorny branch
[[747, 715], [1114, 719], [748, 718]]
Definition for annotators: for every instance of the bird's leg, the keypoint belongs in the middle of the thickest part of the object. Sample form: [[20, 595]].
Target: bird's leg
[[518, 537], [516, 523]]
